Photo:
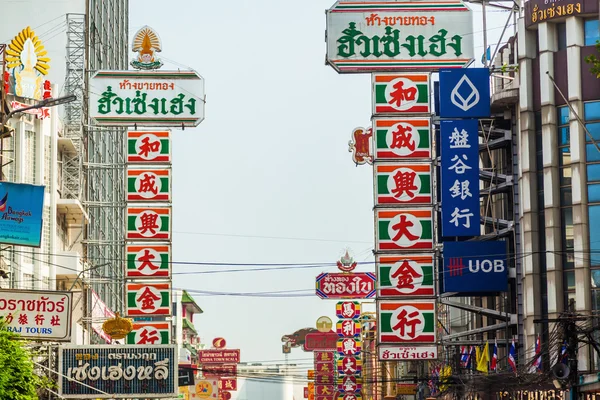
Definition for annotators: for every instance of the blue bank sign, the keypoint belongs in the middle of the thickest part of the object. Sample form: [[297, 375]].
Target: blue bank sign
[[106, 371], [475, 267], [465, 93], [21, 208]]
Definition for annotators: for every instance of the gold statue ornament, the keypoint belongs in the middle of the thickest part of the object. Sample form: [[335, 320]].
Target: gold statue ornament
[[146, 43], [117, 327]]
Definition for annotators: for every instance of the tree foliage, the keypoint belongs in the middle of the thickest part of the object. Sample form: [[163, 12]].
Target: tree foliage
[[595, 61], [17, 378]]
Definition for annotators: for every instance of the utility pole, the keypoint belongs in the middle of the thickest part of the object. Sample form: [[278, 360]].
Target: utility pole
[[570, 329]]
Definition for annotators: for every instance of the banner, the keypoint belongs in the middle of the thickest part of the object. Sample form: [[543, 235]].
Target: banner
[[21, 207]]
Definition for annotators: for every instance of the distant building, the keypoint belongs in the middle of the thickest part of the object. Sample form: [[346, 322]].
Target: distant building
[[265, 382], [184, 332]]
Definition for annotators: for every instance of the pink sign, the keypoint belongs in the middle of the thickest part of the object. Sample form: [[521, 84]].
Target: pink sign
[[355, 285]]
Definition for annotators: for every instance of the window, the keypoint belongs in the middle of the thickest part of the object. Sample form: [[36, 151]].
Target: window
[[27, 281], [539, 165], [592, 31], [592, 123], [566, 202]]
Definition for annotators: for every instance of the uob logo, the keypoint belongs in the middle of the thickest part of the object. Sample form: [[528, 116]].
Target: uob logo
[[486, 266]]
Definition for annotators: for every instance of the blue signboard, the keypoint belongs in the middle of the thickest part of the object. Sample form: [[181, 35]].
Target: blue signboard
[[465, 93], [93, 371], [460, 177], [21, 207], [475, 267]]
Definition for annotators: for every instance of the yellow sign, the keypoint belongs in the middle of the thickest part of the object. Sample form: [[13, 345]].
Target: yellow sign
[[25, 58], [205, 389], [311, 375], [324, 324], [406, 388], [146, 43]]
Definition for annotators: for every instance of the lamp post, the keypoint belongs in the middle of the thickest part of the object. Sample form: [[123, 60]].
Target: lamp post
[[51, 102]]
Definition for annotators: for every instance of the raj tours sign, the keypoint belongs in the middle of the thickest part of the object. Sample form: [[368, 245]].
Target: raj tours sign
[[407, 353], [108, 372], [145, 147], [405, 276], [148, 184], [148, 299], [147, 98], [354, 285], [388, 36], [36, 314], [406, 321], [148, 223]]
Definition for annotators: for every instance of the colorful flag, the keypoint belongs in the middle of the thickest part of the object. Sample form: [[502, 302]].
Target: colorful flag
[[464, 356], [494, 362], [538, 354], [470, 362], [563, 353], [483, 359], [512, 354]]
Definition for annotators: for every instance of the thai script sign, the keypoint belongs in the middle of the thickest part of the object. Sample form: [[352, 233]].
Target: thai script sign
[[401, 94], [402, 138], [537, 11], [148, 261], [460, 177], [145, 147], [405, 276], [320, 341], [36, 314], [388, 36], [218, 356], [145, 333], [148, 184], [475, 267], [148, 299], [402, 183], [406, 321], [105, 371], [147, 98], [219, 370], [40, 113], [404, 229], [407, 353], [148, 223], [354, 285], [360, 146], [21, 207], [465, 93]]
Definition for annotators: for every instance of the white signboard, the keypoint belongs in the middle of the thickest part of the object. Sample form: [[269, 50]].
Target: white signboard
[[37, 314], [407, 353], [377, 36], [147, 98]]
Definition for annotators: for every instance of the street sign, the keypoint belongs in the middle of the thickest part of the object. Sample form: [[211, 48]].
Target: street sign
[[219, 356], [349, 346], [348, 309], [148, 147], [401, 138], [465, 93], [401, 94], [145, 333], [407, 275], [148, 223], [406, 321], [148, 299], [148, 261], [207, 389], [148, 184], [403, 183], [404, 35], [348, 328], [460, 178], [353, 285], [407, 353], [475, 267], [147, 98], [404, 229]]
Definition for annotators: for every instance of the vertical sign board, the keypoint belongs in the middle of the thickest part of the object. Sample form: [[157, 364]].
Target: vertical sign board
[[148, 147], [401, 138], [460, 178], [403, 183], [475, 267], [403, 229], [465, 93], [148, 223], [409, 275], [406, 321], [376, 36], [21, 207], [148, 184], [149, 260], [119, 371], [148, 299], [401, 94]]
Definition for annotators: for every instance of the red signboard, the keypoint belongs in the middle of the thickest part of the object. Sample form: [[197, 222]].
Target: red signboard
[[321, 341], [228, 384], [224, 395], [219, 356], [355, 285], [324, 356], [306, 392], [325, 368], [324, 380], [220, 370], [324, 390]]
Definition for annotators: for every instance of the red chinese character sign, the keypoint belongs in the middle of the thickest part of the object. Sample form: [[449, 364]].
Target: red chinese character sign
[[405, 321], [145, 147], [148, 223], [401, 94], [404, 229], [401, 138], [145, 184], [228, 384], [361, 146], [349, 384], [405, 276], [145, 333], [349, 365], [349, 346], [401, 183], [355, 285], [348, 309], [348, 328], [148, 299], [148, 261]]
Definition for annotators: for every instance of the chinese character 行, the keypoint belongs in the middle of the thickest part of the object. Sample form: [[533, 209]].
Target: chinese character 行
[[39, 319], [407, 320], [459, 214], [149, 336]]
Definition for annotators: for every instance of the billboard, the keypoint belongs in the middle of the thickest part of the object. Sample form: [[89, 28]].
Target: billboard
[[147, 98], [475, 267], [460, 178], [350, 285], [401, 138], [107, 372], [21, 207], [405, 276], [37, 314], [375, 36], [406, 321], [403, 183]]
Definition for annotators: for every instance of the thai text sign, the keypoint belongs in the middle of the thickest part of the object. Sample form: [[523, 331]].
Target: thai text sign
[[21, 208], [150, 98], [404, 229], [148, 299], [36, 314], [320, 341], [148, 261], [218, 356], [219, 370], [119, 371], [406, 321], [460, 178], [402, 138], [148, 223], [354, 285], [145, 147], [145, 333], [537, 11], [403, 276], [402, 183], [407, 353], [388, 36], [401, 94], [475, 267], [148, 184], [40, 113]]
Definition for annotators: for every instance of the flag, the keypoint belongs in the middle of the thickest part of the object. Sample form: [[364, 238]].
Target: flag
[[494, 363], [512, 357], [487, 55], [470, 358], [563, 353], [483, 359], [537, 363], [464, 356]]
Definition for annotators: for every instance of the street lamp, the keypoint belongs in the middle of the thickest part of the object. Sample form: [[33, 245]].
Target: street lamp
[[51, 102]]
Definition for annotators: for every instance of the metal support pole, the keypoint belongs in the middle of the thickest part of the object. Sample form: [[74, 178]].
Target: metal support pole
[[485, 43]]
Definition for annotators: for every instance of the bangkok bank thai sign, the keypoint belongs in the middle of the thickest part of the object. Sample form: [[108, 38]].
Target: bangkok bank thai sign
[[105, 371], [376, 36]]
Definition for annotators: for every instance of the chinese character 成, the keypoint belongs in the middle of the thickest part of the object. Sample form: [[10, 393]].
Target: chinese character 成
[[148, 184], [460, 214], [459, 140], [402, 137], [460, 189], [459, 166]]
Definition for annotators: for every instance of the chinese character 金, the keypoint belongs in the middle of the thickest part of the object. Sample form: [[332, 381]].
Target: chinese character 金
[[405, 275], [148, 298]]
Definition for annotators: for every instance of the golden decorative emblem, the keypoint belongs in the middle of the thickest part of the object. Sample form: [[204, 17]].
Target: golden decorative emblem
[[25, 56], [146, 43], [117, 327]]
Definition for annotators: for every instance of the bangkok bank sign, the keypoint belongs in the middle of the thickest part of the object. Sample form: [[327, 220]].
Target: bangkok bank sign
[[475, 267]]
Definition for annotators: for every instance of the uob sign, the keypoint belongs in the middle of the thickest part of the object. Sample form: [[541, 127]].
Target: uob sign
[[475, 267]]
